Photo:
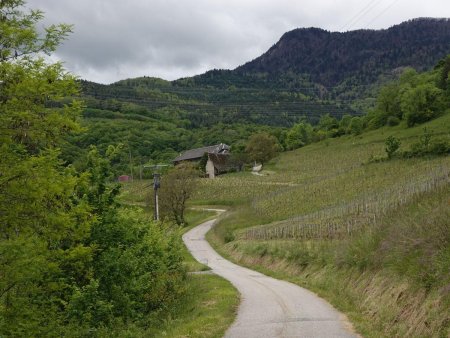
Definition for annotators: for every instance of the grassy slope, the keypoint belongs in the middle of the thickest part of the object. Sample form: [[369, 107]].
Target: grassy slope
[[397, 260]]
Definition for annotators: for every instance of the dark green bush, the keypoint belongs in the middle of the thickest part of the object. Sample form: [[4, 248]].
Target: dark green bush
[[393, 121]]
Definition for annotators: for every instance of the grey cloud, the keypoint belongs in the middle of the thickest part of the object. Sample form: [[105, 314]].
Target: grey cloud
[[117, 39]]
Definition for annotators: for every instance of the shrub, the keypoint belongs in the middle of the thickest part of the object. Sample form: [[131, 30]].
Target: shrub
[[356, 126], [392, 144], [421, 104], [393, 121]]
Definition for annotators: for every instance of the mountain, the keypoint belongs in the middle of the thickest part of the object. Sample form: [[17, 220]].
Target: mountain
[[309, 72], [330, 58]]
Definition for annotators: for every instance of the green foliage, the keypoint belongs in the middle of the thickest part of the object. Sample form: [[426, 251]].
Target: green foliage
[[356, 126], [329, 124], [262, 147], [137, 271], [444, 69], [421, 104], [176, 188], [71, 262], [392, 144], [18, 36], [202, 163], [415, 98], [299, 135], [428, 145]]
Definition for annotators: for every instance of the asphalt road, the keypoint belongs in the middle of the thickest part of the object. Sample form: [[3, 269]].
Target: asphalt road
[[269, 307]]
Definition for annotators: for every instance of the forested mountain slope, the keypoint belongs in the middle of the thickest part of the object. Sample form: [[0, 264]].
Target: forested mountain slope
[[329, 58], [309, 72]]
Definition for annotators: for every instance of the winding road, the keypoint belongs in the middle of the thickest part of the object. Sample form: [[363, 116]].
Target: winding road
[[269, 307]]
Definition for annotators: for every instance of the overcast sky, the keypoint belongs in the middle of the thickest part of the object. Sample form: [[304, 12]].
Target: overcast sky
[[119, 39]]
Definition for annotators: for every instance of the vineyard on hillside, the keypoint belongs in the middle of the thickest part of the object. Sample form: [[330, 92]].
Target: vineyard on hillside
[[335, 187]]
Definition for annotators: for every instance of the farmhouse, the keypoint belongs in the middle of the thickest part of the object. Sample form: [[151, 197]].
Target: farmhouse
[[218, 158], [195, 155]]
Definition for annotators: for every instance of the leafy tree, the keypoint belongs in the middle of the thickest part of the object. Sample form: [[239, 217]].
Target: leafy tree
[[388, 100], [261, 147], [43, 221], [356, 126], [444, 70], [328, 123], [176, 189], [19, 37], [392, 144], [299, 135], [421, 104], [70, 260], [344, 124]]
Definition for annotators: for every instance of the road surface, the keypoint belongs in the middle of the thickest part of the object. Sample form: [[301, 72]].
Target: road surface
[[269, 307]]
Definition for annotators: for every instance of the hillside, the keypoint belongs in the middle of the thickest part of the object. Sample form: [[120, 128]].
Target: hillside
[[330, 58], [327, 216], [308, 73]]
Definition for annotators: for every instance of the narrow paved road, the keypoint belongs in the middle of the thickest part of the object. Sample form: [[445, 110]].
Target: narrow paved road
[[269, 307]]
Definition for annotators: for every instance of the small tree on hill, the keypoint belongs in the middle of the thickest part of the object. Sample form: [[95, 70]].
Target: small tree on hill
[[392, 144], [262, 147]]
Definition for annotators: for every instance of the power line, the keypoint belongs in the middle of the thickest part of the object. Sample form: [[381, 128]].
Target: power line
[[367, 11], [357, 14], [382, 12]]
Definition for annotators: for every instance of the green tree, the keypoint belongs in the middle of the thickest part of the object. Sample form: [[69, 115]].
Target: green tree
[[421, 103], [299, 135], [262, 147], [443, 68], [43, 221], [356, 126], [392, 145], [176, 188], [70, 260], [328, 124]]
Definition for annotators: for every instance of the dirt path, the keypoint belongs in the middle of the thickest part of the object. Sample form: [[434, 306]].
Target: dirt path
[[269, 307]]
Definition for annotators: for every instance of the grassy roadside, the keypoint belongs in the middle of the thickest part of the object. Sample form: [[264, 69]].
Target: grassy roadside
[[393, 282], [208, 310], [210, 304]]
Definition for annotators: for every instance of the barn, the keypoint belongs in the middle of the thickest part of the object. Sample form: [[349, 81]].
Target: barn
[[218, 158], [195, 155]]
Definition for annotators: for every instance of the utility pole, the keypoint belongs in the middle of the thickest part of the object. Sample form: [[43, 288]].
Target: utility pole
[[131, 164], [156, 186]]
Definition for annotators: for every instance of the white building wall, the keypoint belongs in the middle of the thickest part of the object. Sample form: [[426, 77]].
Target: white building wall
[[210, 169]]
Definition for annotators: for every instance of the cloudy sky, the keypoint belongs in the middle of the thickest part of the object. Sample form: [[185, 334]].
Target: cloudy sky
[[118, 39]]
